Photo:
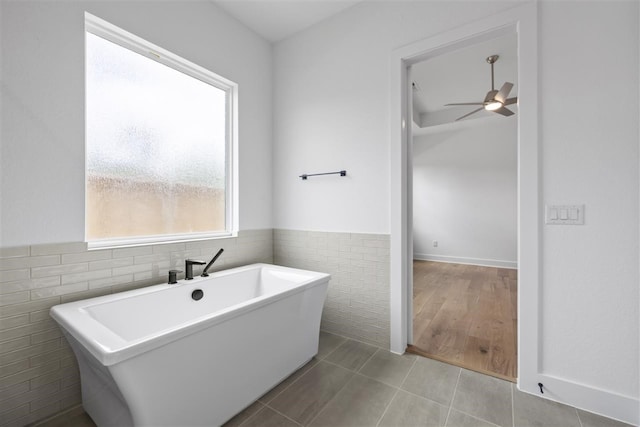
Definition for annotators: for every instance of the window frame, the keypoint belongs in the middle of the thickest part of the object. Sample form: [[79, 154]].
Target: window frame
[[114, 34]]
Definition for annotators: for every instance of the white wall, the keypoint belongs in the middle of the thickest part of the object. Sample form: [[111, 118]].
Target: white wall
[[42, 174], [590, 156], [465, 193], [331, 111]]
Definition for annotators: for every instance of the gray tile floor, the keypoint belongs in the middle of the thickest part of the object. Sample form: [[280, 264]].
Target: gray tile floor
[[354, 384]]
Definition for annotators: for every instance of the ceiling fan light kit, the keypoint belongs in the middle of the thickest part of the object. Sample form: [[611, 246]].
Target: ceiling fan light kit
[[495, 100], [493, 105]]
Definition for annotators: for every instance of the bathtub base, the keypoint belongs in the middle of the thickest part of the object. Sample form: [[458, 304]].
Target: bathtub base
[[101, 398]]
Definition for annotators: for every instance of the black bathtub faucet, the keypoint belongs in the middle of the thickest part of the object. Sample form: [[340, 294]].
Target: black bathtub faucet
[[188, 266], [215, 257]]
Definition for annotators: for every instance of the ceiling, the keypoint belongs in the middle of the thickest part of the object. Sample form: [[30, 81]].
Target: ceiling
[[275, 20]]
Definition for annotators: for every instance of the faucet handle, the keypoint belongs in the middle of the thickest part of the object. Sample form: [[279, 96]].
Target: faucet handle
[[173, 276]]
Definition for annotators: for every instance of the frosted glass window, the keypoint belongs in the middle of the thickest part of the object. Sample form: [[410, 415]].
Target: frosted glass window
[[157, 142]]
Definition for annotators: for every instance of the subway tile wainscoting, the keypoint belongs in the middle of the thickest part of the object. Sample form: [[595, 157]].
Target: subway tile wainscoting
[[38, 371], [357, 304]]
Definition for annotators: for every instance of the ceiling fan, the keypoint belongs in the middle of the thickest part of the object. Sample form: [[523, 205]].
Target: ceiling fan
[[495, 100]]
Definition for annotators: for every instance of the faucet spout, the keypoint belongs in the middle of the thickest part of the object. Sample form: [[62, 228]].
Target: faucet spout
[[188, 266], [204, 272]]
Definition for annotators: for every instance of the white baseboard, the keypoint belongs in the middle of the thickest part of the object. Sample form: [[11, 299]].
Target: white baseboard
[[463, 260], [590, 399]]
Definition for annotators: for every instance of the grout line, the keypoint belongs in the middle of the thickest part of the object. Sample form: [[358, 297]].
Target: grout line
[[292, 382], [513, 406], [477, 418], [397, 391], [355, 339], [332, 399], [455, 389], [250, 416], [386, 408], [371, 378], [415, 394], [280, 413], [404, 380], [340, 366], [399, 387], [64, 415], [367, 361], [422, 397], [578, 415], [377, 380], [334, 350], [350, 339]]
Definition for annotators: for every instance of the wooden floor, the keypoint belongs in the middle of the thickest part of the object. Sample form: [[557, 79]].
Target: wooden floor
[[466, 315]]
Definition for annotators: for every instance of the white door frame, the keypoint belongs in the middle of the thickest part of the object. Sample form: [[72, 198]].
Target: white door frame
[[522, 21]]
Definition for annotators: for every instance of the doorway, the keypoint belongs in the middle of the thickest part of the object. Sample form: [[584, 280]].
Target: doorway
[[464, 198], [522, 21]]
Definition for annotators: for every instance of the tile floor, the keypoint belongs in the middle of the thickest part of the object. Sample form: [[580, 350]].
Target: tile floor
[[354, 384]]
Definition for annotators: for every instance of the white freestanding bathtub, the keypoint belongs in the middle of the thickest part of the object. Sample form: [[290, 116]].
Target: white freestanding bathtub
[[157, 357]]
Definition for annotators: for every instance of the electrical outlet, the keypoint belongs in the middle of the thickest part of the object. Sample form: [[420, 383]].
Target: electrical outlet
[[435, 243]]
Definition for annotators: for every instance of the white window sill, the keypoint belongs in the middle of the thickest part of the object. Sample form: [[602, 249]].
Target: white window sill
[[156, 240]]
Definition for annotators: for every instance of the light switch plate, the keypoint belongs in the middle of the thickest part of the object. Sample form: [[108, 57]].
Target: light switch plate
[[564, 214]]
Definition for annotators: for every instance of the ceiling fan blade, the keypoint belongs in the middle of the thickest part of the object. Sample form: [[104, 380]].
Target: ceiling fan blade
[[490, 95], [511, 101], [465, 103], [504, 92], [468, 114], [504, 111]]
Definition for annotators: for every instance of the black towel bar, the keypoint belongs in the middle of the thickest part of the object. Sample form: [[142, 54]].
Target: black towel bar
[[307, 175]]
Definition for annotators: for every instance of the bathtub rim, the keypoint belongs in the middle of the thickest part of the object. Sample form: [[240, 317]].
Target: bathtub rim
[[77, 322]]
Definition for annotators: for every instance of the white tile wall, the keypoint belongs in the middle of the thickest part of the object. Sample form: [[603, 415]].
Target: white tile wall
[[38, 372], [357, 303]]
